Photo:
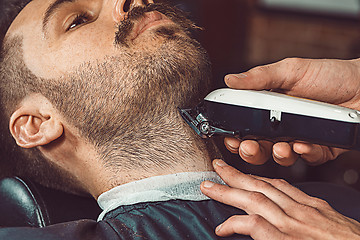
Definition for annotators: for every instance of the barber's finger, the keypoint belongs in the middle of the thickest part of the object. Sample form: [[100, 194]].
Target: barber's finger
[[299, 211], [311, 153], [283, 154], [280, 75], [255, 152], [239, 180], [232, 144], [291, 191], [253, 225], [281, 193], [316, 154], [250, 202]]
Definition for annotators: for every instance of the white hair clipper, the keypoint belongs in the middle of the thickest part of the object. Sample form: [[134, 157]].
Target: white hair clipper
[[264, 115]]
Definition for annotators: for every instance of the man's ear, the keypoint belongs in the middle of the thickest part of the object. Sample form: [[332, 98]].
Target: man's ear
[[35, 123]]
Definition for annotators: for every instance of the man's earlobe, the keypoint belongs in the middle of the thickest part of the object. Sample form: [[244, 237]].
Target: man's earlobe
[[31, 129]]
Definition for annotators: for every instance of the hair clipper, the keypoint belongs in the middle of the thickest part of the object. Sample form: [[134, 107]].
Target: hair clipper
[[264, 115]]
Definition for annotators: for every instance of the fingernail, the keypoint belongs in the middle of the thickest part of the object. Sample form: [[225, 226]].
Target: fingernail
[[231, 146], [208, 184], [218, 228], [244, 152], [240, 75], [221, 163], [277, 155]]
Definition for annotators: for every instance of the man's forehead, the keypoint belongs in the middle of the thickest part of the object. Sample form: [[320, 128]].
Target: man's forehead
[[30, 14]]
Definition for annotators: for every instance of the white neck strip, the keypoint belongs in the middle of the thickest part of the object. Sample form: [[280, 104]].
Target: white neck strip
[[181, 186]]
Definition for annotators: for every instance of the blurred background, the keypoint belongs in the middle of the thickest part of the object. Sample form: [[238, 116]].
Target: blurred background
[[241, 34]]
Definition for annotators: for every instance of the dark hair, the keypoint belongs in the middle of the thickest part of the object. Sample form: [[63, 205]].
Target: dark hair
[[14, 160], [9, 9]]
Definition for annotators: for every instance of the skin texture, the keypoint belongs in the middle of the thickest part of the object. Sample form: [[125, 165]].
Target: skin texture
[[331, 81], [276, 210], [105, 90], [59, 57]]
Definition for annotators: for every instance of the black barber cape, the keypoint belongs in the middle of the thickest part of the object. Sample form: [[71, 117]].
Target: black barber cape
[[168, 219]]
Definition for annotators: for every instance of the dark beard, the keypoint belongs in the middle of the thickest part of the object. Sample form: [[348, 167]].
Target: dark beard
[[126, 105], [176, 15]]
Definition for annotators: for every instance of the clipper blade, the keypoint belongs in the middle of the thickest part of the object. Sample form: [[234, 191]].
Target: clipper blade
[[198, 121], [189, 116]]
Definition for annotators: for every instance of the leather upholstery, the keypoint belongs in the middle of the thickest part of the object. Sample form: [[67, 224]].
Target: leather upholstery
[[20, 206], [23, 203]]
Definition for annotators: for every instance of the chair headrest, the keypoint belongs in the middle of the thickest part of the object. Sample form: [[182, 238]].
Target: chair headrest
[[24, 203]]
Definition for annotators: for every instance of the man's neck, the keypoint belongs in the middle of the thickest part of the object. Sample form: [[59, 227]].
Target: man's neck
[[160, 145], [166, 146]]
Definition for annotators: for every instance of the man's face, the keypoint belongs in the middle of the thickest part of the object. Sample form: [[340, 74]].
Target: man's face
[[60, 35], [114, 79]]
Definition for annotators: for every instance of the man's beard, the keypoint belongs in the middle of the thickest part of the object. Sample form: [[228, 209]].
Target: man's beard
[[126, 104]]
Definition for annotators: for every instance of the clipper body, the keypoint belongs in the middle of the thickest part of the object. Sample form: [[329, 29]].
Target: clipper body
[[263, 115]]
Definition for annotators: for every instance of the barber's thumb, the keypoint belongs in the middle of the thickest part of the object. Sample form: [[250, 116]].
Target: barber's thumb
[[237, 81], [258, 78], [255, 79]]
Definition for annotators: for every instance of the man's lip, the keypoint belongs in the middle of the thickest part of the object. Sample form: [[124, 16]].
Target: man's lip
[[151, 19]]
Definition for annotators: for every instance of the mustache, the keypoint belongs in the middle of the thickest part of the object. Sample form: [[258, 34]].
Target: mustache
[[174, 14]]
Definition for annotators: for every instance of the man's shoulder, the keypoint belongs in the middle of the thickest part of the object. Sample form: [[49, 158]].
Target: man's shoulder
[[174, 219]]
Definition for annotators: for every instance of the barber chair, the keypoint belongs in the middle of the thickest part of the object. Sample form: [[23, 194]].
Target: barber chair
[[27, 204]]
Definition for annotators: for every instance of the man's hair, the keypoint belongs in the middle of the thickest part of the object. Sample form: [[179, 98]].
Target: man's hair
[[9, 9], [16, 82], [8, 12]]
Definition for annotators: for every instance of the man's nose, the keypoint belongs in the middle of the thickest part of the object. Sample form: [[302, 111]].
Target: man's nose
[[121, 7]]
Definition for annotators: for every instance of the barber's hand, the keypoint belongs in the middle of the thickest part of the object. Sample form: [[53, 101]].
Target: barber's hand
[[276, 210], [332, 81]]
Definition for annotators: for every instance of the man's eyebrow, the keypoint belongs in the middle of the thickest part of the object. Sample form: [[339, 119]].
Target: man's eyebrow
[[52, 9]]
